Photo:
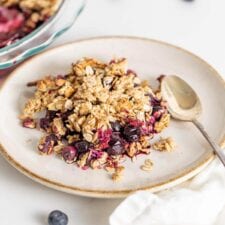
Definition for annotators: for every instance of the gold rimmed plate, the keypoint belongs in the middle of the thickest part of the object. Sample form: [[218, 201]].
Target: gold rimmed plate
[[149, 58]]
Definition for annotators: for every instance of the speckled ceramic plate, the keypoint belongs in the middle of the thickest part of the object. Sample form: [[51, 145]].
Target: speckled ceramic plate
[[149, 58]]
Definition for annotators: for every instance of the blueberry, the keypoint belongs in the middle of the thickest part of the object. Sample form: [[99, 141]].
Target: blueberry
[[156, 104], [116, 144], [116, 147], [48, 143], [52, 137], [156, 109], [57, 217], [51, 115], [81, 146], [69, 154], [131, 133], [115, 136], [116, 126], [46, 147], [44, 123], [154, 101]]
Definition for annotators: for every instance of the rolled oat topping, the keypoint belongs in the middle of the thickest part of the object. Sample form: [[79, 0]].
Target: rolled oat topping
[[164, 144], [147, 166], [98, 114]]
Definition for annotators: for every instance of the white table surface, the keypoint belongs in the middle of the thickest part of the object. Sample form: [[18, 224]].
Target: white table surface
[[197, 26]]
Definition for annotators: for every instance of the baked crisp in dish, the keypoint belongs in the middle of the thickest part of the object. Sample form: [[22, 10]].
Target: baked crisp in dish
[[20, 17], [97, 115]]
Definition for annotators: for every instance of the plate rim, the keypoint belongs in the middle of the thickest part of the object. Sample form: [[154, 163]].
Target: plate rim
[[177, 179]]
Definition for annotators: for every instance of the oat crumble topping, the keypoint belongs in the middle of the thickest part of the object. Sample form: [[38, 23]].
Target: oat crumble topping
[[118, 174], [148, 164], [164, 144], [97, 115]]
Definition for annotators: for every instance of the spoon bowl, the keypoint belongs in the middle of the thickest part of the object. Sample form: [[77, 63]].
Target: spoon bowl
[[183, 102]]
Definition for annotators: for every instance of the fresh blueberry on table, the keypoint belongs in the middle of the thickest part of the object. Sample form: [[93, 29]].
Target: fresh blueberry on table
[[57, 217]]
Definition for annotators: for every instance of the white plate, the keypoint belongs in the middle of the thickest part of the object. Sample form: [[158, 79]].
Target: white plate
[[149, 58]]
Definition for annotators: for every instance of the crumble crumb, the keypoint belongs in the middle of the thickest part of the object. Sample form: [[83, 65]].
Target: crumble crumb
[[165, 144]]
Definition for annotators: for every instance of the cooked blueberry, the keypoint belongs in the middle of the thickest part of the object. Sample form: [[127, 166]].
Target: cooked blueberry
[[115, 150], [44, 123], [52, 137], [156, 109], [154, 101], [70, 132], [69, 154], [47, 144], [131, 133], [51, 115], [156, 104], [115, 136], [46, 147], [81, 146], [57, 217], [116, 126], [116, 147]]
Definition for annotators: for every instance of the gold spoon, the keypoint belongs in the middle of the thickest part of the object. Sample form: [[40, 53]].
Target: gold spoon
[[184, 105]]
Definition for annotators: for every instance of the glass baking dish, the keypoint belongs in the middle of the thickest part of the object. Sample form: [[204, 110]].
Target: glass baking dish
[[43, 36]]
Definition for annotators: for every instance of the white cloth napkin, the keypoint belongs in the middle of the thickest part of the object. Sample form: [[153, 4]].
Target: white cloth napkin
[[200, 201]]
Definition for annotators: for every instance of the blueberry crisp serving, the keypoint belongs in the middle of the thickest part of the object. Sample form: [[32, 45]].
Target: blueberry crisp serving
[[18, 18], [97, 115]]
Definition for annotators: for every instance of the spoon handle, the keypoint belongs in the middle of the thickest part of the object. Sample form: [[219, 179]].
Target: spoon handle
[[214, 146]]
